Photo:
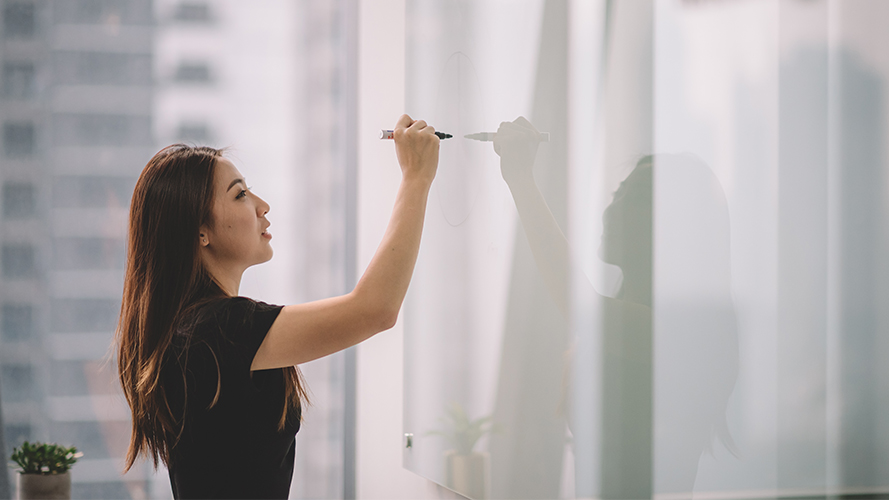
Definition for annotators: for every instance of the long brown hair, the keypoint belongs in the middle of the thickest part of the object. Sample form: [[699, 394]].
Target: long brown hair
[[165, 280]]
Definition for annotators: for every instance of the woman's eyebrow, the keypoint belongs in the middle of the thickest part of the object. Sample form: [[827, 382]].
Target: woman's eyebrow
[[230, 186]]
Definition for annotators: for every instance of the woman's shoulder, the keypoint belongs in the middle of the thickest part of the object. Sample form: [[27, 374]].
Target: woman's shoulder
[[226, 315], [239, 310]]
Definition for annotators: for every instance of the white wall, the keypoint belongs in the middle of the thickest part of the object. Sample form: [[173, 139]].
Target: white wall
[[381, 102]]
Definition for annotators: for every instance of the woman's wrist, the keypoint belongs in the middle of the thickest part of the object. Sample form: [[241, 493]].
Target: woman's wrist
[[417, 180], [521, 179]]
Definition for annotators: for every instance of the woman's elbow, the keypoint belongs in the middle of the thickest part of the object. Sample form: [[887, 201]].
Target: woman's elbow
[[387, 318], [379, 315]]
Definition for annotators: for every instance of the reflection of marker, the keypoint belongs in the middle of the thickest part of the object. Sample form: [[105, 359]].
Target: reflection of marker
[[489, 136], [390, 134]]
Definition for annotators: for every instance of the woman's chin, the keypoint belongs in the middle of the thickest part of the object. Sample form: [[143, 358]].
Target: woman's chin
[[266, 256]]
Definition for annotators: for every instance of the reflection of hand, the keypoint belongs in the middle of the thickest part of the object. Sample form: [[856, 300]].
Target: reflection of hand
[[416, 147], [516, 142]]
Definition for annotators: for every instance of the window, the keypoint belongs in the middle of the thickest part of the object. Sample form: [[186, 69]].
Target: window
[[18, 140], [19, 80], [101, 130], [190, 72], [85, 315], [193, 12], [17, 383], [19, 20], [19, 200], [19, 261], [17, 322], [92, 191], [101, 68], [67, 378], [15, 435], [197, 133], [136, 12], [89, 253]]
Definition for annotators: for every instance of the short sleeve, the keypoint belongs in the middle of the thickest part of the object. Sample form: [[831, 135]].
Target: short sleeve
[[243, 325]]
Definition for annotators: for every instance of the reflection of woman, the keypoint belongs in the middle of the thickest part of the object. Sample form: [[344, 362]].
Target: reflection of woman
[[694, 345], [685, 373], [209, 376]]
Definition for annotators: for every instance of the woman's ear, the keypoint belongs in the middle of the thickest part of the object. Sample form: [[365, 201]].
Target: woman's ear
[[202, 237]]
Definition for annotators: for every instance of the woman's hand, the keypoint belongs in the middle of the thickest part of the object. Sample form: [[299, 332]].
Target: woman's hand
[[416, 147], [516, 142]]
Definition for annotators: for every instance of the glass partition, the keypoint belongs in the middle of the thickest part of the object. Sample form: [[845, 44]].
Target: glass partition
[[663, 275]]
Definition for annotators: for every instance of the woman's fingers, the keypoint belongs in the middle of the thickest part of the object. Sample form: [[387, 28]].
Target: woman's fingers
[[524, 123], [516, 143], [416, 147], [404, 121]]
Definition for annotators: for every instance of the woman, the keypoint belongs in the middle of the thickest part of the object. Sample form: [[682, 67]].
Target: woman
[[209, 376]]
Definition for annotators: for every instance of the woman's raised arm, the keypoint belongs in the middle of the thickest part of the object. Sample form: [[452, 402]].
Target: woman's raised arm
[[304, 332]]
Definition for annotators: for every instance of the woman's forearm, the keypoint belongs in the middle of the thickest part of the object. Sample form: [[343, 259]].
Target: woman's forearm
[[548, 244], [380, 292], [384, 284]]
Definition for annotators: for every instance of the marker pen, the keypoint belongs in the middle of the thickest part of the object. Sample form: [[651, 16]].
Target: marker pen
[[489, 136], [390, 134]]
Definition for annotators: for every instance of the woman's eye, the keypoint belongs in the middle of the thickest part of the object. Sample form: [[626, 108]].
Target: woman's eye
[[242, 194]]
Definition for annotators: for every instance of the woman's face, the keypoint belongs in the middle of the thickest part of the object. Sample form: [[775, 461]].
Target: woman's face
[[237, 236], [626, 225]]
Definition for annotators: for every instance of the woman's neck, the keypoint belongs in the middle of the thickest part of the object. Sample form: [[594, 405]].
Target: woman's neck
[[228, 279], [636, 288]]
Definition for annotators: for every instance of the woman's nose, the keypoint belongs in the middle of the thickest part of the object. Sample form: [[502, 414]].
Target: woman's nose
[[262, 207]]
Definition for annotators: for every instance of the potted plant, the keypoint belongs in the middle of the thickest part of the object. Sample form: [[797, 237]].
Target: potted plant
[[466, 470], [44, 470]]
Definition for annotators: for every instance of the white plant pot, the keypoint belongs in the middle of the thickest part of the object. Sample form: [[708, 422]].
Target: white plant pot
[[43, 486], [468, 474]]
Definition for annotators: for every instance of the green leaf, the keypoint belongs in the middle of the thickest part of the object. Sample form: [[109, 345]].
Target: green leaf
[[43, 458]]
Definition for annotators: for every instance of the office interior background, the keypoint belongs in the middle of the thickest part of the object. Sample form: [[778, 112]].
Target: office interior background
[[749, 357]]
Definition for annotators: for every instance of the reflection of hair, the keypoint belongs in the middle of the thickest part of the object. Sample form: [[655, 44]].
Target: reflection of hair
[[688, 220], [165, 280], [688, 217]]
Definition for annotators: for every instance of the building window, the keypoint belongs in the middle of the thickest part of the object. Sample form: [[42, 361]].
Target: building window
[[197, 133], [100, 68], [19, 20], [18, 140], [92, 191], [192, 72], [17, 383], [19, 80], [16, 434], [19, 200], [89, 253], [101, 130], [193, 12], [85, 315], [19, 261], [17, 322], [132, 12]]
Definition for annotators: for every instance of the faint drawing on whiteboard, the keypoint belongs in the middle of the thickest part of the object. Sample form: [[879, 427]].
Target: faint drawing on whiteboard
[[458, 111]]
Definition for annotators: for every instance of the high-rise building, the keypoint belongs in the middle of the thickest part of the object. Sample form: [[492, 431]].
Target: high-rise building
[[270, 80], [89, 90], [76, 105]]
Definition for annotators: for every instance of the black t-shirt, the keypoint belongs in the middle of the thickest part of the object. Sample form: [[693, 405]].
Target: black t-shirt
[[233, 450]]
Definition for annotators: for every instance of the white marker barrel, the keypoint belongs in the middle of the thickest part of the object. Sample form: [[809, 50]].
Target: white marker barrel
[[489, 136], [387, 134]]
